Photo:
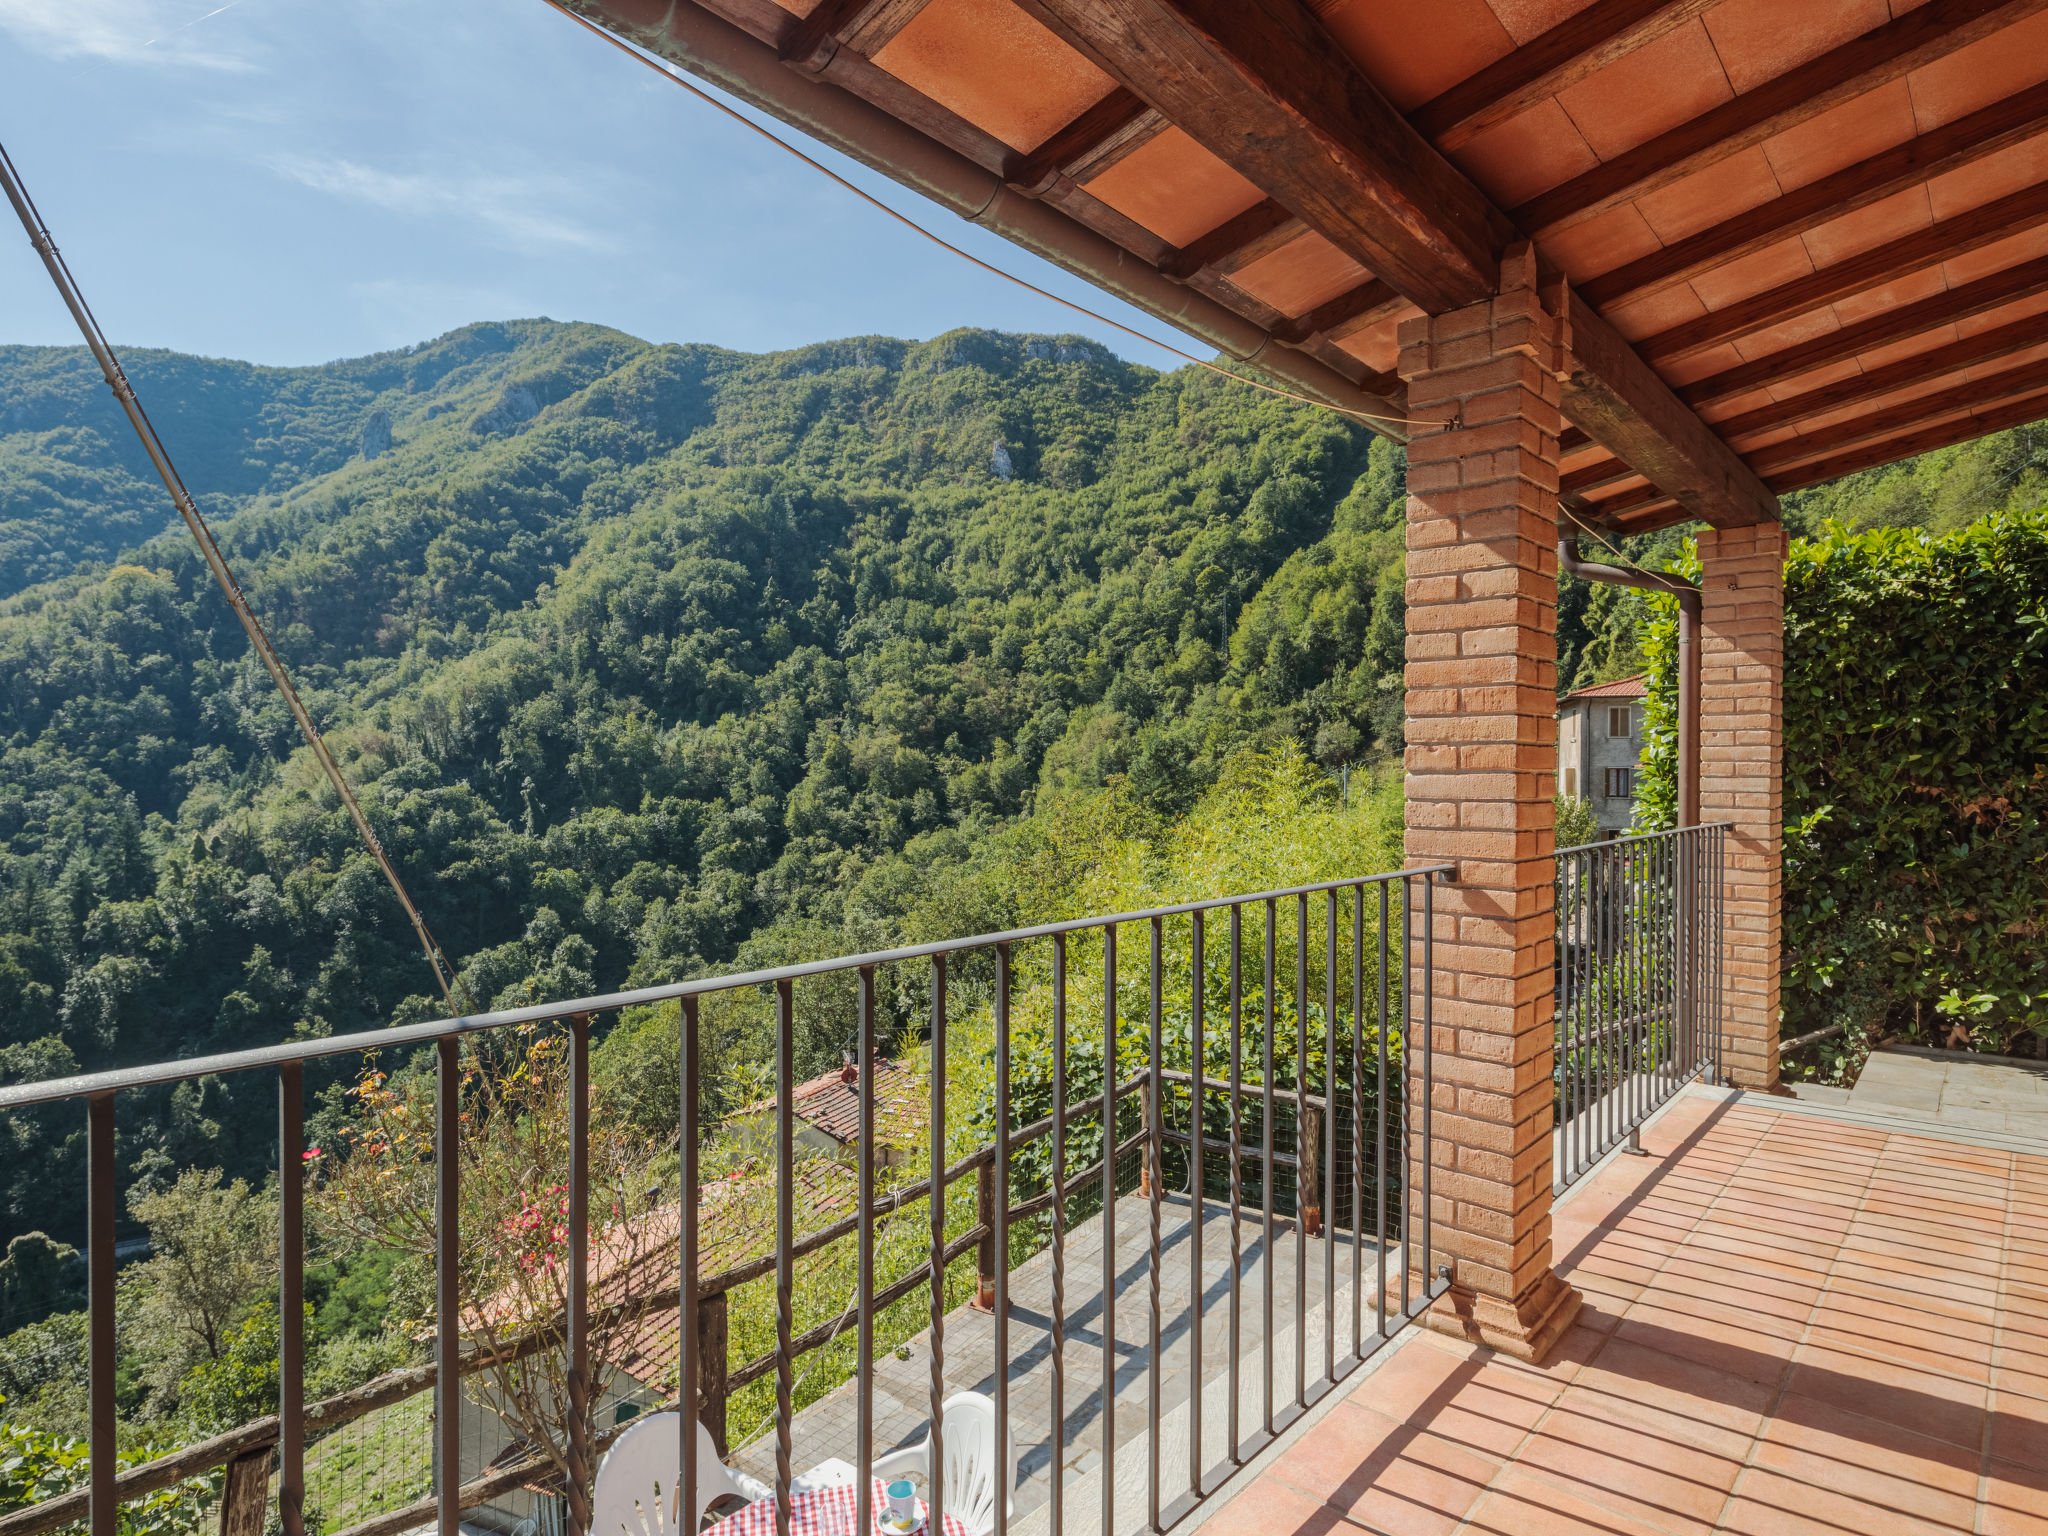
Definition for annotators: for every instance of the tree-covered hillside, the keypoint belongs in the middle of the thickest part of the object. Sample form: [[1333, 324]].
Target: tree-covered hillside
[[647, 659]]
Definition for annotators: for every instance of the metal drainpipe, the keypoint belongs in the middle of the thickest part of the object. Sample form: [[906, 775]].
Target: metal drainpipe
[[1688, 659]]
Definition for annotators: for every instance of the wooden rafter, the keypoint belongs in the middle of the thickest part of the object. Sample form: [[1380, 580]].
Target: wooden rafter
[[1984, 132], [1578, 46], [1879, 56], [1978, 227], [1236, 243], [2017, 413], [1907, 320], [1920, 368], [2010, 383], [1090, 144], [1266, 90], [1348, 313], [1590, 477], [866, 26]]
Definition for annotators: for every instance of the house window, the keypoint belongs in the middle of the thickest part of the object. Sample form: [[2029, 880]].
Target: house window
[[1571, 783], [1618, 722], [1618, 783]]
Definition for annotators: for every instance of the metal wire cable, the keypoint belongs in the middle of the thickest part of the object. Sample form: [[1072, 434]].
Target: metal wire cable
[[667, 72], [188, 509]]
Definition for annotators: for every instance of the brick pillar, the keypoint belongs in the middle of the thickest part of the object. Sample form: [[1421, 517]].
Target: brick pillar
[[1742, 669], [1482, 771]]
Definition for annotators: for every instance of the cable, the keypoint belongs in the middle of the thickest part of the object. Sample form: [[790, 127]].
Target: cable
[[667, 72], [188, 509], [1661, 577]]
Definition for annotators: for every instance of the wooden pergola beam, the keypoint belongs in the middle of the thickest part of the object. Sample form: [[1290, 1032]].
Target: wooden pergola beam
[[1346, 314], [1972, 230], [1236, 243], [1089, 145], [2027, 379], [1880, 56], [1887, 326], [1941, 435], [1579, 46], [1984, 132], [865, 26], [1920, 368], [1266, 90], [1624, 407]]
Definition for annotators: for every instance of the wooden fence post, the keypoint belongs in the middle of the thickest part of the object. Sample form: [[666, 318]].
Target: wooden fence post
[[985, 1250], [1308, 1180], [712, 1367]]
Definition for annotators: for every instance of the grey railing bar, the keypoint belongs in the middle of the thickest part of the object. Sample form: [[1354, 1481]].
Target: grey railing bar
[[56, 1089]]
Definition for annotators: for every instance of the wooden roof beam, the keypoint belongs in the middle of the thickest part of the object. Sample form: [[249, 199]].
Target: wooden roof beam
[[1968, 231], [1345, 315], [1920, 368], [1881, 55], [865, 26], [1236, 243], [1887, 326], [1089, 145], [1986, 131], [1621, 404], [1941, 435], [1569, 52], [1992, 389], [1267, 90]]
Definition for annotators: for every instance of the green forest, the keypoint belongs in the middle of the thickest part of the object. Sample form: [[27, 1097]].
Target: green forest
[[647, 660]]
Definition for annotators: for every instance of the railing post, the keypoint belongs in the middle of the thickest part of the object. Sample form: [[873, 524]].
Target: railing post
[[101, 1195], [581, 1469], [291, 1310], [447, 1288], [712, 1368]]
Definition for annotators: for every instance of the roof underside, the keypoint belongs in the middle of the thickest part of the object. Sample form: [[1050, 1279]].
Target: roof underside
[[1818, 226]]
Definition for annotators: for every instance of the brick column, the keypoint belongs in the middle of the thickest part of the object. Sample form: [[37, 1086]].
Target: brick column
[[1742, 669], [1482, 770]]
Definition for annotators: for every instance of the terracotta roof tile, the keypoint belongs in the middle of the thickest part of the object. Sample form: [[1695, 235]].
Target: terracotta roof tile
[[1622, 688]]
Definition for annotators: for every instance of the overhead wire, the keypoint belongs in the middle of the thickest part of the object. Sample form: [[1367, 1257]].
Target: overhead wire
[[1662, 578], [668, 72], [116, 378]]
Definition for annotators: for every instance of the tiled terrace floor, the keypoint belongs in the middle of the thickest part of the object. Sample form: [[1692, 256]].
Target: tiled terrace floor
[[1792, 1325]]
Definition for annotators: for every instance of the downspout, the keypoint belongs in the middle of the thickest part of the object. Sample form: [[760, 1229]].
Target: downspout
[[1688, 594]]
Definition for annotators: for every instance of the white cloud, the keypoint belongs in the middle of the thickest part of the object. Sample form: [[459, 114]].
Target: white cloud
[[170, 32], [528, 211]]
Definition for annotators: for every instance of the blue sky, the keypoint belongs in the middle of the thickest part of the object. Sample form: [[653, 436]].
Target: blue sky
[[290, 181]]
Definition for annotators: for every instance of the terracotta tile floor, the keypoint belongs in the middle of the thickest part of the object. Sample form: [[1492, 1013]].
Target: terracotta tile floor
[[1791, 1325]]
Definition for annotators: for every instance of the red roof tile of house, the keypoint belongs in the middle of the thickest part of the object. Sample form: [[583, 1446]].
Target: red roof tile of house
[[1621, 688]]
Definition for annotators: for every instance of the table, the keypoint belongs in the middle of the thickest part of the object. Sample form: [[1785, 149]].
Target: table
[[809, 1512]]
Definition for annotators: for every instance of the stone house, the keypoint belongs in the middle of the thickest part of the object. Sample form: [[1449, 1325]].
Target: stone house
[[1599, 750]]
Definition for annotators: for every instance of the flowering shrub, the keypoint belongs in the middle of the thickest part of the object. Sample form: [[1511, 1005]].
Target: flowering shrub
[[512, 1216]]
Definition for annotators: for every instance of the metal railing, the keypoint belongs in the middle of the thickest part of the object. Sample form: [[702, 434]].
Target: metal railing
[[1638, 984], [1165, 1082]]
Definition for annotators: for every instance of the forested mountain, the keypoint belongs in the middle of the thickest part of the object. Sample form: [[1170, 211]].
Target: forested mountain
[[646, 658]]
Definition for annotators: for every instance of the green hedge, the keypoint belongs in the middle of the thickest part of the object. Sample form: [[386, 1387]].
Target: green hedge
[[1916, 781]]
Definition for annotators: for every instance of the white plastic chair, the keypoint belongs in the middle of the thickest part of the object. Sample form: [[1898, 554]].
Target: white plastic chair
[[972, 1472], [636, 1491]]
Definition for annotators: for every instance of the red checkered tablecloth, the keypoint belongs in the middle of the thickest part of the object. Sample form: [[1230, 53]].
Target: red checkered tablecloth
[[820, 1512]]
